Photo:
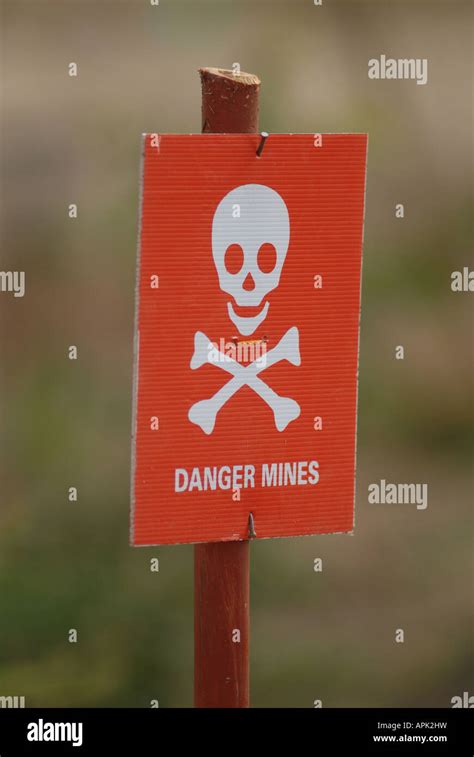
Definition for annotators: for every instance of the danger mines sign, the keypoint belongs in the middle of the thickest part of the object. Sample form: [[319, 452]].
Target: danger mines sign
[[247, 336]]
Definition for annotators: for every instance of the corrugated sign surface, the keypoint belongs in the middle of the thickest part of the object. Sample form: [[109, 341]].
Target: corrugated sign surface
[[247, 332]]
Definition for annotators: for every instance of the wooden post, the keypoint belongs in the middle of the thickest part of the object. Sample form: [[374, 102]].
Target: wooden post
[[221, 570]]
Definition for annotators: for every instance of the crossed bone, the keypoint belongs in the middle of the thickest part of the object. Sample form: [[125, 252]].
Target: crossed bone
[[285, 409]]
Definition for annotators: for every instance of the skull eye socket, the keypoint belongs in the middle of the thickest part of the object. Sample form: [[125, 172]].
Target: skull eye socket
[[267, 257], [234, 258]]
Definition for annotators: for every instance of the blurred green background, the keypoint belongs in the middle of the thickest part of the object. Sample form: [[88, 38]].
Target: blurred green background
[[329, 635]]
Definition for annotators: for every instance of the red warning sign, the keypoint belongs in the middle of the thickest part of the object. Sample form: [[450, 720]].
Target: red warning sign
[[247, 332]]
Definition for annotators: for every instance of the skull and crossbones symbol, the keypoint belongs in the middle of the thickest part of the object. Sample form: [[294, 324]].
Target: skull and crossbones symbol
[[249, 217]]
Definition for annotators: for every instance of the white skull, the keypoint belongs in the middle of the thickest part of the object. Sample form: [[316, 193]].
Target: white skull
[[250, 216]]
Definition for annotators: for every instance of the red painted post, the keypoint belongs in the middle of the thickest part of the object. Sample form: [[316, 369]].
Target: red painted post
[[221, 606], [221, 570]]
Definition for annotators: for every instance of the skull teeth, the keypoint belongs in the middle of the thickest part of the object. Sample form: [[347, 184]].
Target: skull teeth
[[247, 325]]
